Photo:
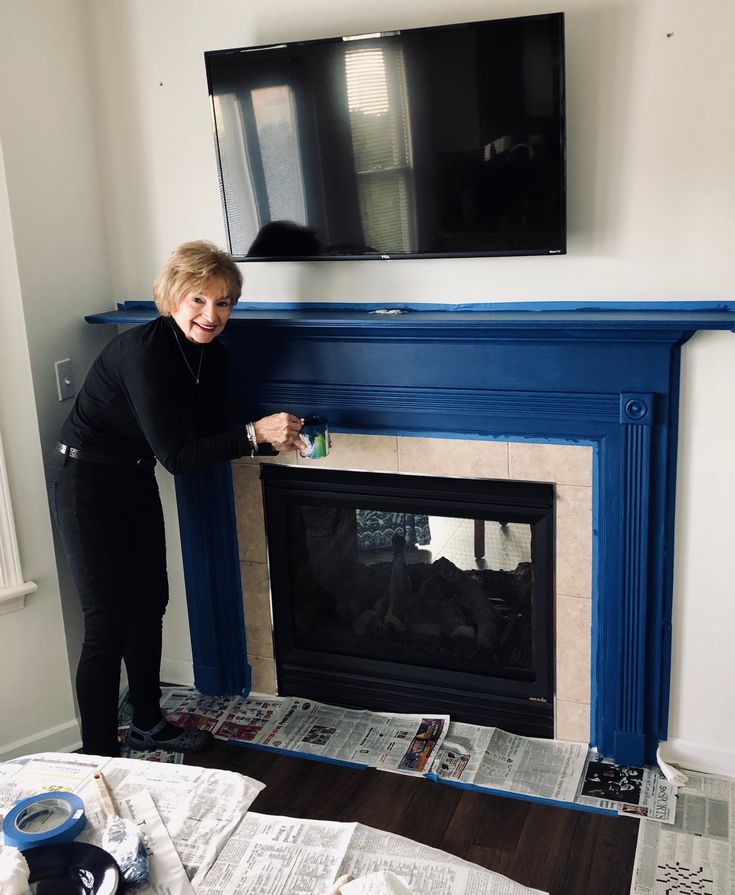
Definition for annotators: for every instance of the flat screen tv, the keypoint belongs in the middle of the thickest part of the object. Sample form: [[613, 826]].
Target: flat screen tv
[[428, 142]]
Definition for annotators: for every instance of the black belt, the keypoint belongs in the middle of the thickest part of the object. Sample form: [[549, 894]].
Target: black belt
[[92, 457]]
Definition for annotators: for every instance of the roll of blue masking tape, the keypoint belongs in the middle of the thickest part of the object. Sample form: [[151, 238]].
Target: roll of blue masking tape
[[43, 819]]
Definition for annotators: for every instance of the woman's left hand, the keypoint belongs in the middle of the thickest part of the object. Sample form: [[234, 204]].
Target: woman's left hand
[[281, 430]]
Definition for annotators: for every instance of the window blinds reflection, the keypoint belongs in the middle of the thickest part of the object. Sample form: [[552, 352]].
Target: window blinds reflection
[[381, 142], [235, 172], [275, 121]]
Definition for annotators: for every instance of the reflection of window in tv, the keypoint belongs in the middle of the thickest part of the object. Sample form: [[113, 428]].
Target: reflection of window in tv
[[274, 111], [236, 183], [381, 144]]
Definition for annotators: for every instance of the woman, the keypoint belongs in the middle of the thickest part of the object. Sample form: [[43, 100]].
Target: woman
[[156, 392]]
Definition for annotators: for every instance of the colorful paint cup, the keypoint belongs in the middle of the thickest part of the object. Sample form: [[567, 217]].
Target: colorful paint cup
[[315, 437]]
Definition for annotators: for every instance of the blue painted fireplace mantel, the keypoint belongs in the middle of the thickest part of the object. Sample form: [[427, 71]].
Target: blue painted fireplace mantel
[[606, 376]]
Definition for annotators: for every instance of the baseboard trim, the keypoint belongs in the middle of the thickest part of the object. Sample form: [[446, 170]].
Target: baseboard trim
[[178, 672], [62, 738], [704, 757]]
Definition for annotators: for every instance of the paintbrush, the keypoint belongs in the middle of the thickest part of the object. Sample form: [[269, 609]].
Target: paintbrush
[[122, 839]]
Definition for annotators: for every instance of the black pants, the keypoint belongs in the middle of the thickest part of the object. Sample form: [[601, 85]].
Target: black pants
[[111, 525]]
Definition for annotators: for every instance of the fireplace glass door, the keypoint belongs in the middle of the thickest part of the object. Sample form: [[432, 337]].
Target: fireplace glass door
[[413, 594]]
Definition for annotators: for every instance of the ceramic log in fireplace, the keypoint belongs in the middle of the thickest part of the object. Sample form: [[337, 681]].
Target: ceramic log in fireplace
[[384, 594]]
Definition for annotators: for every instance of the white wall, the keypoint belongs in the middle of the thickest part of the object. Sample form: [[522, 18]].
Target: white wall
[[701, 719], [651, 210], [54, 266], [36, 702], [649, 148]]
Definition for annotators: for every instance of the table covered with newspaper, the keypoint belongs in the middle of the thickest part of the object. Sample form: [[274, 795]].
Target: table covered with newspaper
[[202, 837]]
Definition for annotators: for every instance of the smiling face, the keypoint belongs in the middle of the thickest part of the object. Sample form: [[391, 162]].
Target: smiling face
[[203, 313]]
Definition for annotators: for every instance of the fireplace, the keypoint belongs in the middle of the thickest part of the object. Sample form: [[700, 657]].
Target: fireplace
[[607, 377], [429, 593]]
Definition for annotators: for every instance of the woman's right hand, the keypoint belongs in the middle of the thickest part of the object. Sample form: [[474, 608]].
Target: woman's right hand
[[339, 883], [281, 430]]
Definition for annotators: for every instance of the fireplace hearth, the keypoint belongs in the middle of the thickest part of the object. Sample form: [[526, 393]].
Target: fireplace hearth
[[389, 590]]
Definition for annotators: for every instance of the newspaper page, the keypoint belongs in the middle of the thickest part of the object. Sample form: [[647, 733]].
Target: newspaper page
[[311, 727], [161, 755], [165, 871], [186, 707], [199, 807], [461, 753], [278, 856], [635, 792], [697, 852], [490, 757], [426, 870], [289, 856], [405, 743], [45, 772], [248, 720]]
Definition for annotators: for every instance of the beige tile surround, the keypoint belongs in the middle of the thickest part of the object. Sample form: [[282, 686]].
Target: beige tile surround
[[568, 466]]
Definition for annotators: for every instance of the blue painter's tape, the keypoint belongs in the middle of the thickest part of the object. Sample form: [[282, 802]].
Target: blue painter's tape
[[540, 800], [46, 818]]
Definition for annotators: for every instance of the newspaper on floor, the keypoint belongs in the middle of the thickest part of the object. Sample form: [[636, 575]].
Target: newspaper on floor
[[186, 707], [248, 719], [393, 742], [289, 856], [635, 792], [697, 852], [165, 756], [491, 758]]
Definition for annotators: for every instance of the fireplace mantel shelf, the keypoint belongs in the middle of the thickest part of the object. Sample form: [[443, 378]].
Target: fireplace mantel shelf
[[534, 317]]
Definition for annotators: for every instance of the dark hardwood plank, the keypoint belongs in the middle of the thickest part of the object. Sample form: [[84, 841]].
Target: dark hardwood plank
[[557, 850], [486, 821]]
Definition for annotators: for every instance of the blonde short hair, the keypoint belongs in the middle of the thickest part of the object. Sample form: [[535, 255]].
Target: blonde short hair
[[192, 266]]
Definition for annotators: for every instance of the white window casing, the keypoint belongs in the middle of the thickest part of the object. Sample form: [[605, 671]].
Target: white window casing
[[13, 589]]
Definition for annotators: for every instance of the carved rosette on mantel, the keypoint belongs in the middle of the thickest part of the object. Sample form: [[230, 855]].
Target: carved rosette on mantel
[[600, 376]]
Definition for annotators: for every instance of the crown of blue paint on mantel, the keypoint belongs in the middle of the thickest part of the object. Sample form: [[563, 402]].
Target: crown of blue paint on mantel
[[599, 374]]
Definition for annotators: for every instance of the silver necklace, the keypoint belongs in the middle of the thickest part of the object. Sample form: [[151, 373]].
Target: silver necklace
[[195, 376]]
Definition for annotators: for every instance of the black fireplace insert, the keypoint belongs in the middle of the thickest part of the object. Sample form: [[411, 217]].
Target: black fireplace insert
[[415, 594]]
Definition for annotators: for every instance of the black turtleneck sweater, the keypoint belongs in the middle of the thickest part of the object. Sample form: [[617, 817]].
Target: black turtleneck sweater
[[141, 399]]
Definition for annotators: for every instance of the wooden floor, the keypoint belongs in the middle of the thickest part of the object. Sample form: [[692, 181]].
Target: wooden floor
[[557, 850]]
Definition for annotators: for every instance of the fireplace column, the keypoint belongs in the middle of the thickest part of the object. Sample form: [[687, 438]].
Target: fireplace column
[[636, 419], [208, 527]]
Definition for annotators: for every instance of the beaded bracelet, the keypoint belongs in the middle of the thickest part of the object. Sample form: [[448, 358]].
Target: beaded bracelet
[[250, 430]]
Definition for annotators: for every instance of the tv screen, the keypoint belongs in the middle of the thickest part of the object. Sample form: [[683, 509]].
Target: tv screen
[[427, 142]]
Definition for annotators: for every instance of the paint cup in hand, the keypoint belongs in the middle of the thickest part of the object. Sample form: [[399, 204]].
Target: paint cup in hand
[[315, 438]]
